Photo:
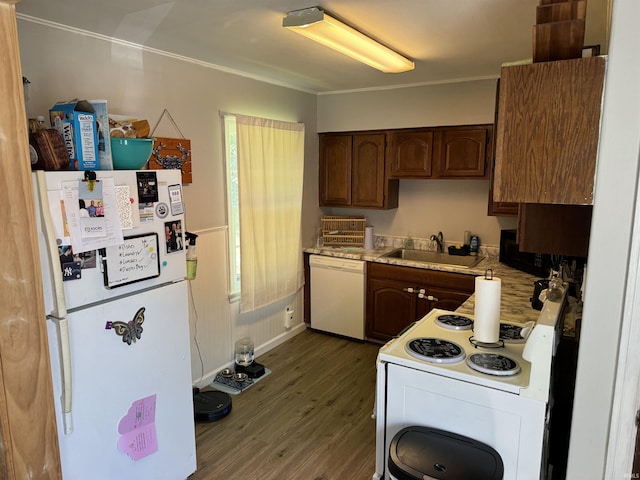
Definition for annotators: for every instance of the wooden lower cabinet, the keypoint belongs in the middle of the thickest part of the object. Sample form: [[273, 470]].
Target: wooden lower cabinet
[[398, 296]]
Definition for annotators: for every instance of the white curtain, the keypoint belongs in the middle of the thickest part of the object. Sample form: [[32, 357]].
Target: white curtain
[[270, 172]]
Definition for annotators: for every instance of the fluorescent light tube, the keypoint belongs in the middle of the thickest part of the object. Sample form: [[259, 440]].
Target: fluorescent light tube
[[317, 25]]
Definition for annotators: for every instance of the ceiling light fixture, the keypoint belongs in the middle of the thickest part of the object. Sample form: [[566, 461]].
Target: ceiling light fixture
[[317, 25]]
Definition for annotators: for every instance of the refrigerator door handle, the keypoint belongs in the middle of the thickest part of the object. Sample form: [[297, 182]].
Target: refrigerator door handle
[[60, 308], [65, 360]]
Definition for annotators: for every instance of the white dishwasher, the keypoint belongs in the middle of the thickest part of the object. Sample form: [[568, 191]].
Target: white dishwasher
[[337, 295]]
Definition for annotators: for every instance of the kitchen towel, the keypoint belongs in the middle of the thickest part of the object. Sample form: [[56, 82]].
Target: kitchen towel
[[487, 309], [368, 238]]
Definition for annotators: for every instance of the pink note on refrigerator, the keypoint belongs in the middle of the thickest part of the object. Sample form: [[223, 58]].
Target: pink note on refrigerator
[[138, 429]]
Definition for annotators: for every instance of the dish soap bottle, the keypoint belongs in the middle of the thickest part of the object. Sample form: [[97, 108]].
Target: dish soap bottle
[[408, 242], [192, 259], [475, 245]]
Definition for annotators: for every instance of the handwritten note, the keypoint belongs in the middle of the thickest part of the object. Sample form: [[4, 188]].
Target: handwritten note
[[138, 429], [110, 233], [136, 259]]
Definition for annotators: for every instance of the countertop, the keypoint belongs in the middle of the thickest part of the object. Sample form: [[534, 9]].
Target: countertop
[[517, 286]]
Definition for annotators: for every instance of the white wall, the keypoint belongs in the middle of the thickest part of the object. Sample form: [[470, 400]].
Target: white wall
[[64, 64], [216, 324], [424, 206], [419, 106]]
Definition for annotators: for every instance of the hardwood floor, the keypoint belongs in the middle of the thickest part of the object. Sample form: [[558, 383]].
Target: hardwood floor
[[309, 419]]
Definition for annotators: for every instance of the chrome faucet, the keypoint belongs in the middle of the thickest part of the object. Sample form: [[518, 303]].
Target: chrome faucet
[[439, 239]]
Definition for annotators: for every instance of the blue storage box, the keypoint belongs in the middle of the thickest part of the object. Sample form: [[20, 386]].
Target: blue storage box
[[75, 120]]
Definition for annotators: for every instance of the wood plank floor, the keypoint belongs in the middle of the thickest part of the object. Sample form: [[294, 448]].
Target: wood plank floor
[[309, 419]]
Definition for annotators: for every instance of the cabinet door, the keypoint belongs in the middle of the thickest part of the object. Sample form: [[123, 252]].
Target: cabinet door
[[390, 308], [462, 152], [554, 229], [367, 185], [498, 209], [410, 153], [548, 130], [335, 169]]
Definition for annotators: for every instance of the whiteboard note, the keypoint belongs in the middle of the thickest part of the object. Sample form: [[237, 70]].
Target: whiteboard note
[[134, 260]]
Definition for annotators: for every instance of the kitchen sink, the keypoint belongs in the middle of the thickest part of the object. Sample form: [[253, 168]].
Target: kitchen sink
[[434, 257]]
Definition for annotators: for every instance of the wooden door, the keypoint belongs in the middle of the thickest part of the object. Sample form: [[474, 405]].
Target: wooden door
[[335, 169], [497, 209], [28, 435], [367, 171], [548, 130], [554, 229], [410, 153], [462, 152], [390, 308]]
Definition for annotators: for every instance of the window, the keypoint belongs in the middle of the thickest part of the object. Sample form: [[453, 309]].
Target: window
[[265, 163], [233, 204]]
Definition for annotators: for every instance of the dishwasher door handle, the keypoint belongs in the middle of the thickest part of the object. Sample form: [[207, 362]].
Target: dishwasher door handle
[[331, 267]]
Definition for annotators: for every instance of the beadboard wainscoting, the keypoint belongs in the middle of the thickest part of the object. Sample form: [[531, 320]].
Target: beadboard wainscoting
[[216, 323]]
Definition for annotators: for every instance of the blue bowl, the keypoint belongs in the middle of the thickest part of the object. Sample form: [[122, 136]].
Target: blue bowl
[[130, 153]]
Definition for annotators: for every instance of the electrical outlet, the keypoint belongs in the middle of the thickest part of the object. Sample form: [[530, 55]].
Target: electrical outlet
[[288, 317]]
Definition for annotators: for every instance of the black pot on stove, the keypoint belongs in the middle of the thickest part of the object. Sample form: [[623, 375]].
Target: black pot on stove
[[538, 287]]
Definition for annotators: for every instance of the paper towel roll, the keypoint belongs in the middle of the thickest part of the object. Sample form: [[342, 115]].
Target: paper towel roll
[[487, 309], [368, 238]]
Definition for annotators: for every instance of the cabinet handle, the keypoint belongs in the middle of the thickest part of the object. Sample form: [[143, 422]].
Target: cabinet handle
[[421, 293], [431, 298]]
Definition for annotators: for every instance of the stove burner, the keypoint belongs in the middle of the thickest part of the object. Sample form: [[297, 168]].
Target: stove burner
[[454, 322], [493, 364], [435, 350], [510, 333]]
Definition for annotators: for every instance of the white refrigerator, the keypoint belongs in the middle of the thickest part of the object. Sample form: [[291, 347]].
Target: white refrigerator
[[113, 260]]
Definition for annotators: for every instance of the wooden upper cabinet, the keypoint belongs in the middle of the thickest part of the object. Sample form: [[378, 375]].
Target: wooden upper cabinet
[[440, 152], [548, 130], [554, 229], [335, 169], [352, 171], [498, 209], [367, 171], [410, 153], [462, 152]]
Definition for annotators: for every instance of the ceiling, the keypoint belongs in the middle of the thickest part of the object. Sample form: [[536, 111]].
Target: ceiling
[[449, 40]]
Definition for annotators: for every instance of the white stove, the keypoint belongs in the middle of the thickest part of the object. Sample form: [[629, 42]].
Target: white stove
[[436, 375]]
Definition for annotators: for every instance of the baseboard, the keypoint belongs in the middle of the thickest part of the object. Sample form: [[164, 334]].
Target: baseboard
[[280, 339], [210, 376]]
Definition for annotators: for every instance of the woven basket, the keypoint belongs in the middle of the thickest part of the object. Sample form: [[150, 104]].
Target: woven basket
[[343, 231]]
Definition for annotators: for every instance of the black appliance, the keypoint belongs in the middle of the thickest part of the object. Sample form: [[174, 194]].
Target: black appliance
[[418, 453], [538, 287], [537, 264], [210, 405]]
